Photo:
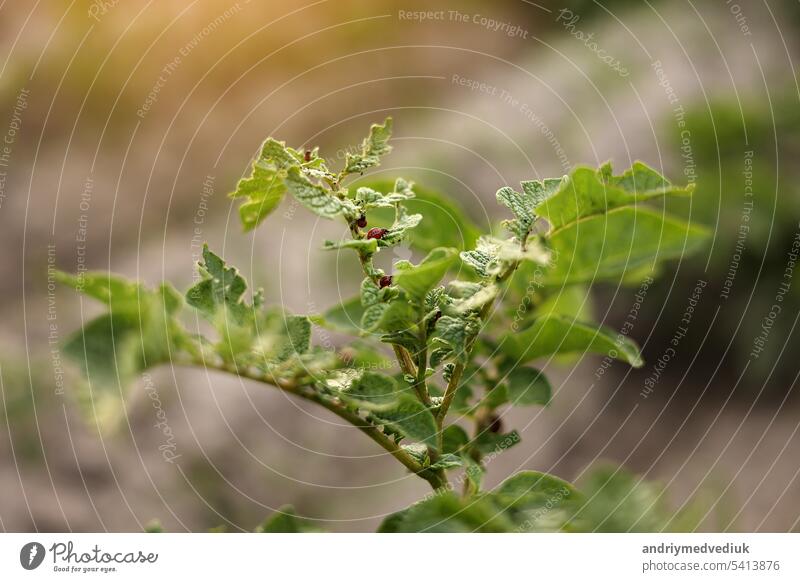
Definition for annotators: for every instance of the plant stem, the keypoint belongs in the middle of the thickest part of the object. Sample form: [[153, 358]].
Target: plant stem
[[434, 478], [455, 378], [420, 385], [405, 360]]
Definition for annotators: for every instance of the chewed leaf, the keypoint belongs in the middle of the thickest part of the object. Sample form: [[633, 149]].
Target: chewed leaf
[[220, 287], [372, 148], [264, 188], [139, 331], [589, 192], [457, 333], [403, 223], [523, 209], [554, 334], [478, 299], [313, 196], [538, 191], [369, 198], [484, 258], [370, 293]]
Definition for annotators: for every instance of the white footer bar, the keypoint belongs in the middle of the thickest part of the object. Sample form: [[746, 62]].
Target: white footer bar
[[401, 558]]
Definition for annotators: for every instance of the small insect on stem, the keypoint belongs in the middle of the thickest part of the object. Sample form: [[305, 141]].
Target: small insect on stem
[[362, 221], [308, 155], [376, 233], [385, 281]]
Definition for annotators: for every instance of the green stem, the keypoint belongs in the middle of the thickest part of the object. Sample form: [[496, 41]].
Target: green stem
[[405, 360], [372, 431], [455, 378], [420, 384]]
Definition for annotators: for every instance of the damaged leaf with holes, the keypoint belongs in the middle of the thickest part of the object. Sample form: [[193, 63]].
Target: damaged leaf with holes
[[429, 354]]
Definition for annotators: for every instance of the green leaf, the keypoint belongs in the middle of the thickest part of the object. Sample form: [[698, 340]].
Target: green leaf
[[537, 191], [536, 501], [345, 317], [439, 355], [388, 404], [313, 196], [372, 391], [369, 198], [291, 336], [418, 280], [454, 438], [248, 333], [528, 501], [523, 209], [153, 526], [373, 315], [372, 148], [491, 255], [264, 188], [528, 386], [463, 289], [588, 192], [530, 489], [369, 292], [618, 501], [410, 418], [404, 223], [448, 513], [608, 246], [573, 302], [523, 205], [448, 461], [398, 316], [495, 397], [457, 332], [220, 288], [285, 520], [484, 258], [554, 334], [140, 330], [477, 301], [116, 292]]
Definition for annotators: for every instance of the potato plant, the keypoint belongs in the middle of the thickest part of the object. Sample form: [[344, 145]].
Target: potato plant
[[464, 327]]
